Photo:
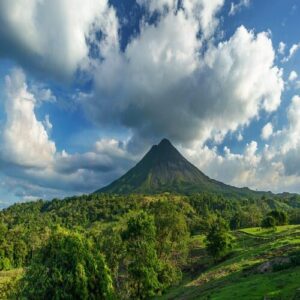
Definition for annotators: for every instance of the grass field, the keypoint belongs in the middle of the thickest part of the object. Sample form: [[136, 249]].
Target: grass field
[[257, 269]]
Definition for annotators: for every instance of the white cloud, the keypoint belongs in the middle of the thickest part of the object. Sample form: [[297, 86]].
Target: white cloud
[[42, 94], [204, 12], [158, 5], [293, 76], [47, 124], [235, 8], [235, 169], [51, 35], [274, 168], [239, 137], [293, 50], [174, 79], [201, 11], [281, 48], [25, 139], [267, 131], [162, 78], [29, 157]]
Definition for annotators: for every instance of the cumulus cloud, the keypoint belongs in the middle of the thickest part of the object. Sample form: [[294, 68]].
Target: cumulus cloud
[[275, 167], [29, 156], [281, 48], [205, 13], [175, 78], [43, 94], [235, 8], [267, 131], [236, 169], [158, 5], [25, 139], [106, 155], [293, 76], [162, 86], [54, 35], [202, 11]]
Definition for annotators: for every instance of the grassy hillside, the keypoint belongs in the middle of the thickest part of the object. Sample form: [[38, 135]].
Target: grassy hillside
[[257, 269], [262, 266]]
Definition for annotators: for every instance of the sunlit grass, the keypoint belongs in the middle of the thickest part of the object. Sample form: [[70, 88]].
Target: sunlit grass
[[237, 278]]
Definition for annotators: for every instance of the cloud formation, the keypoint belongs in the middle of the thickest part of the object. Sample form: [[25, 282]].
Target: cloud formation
[[293, 50], [25, 139], [28, 154], [293, 76], [176, 77], [267, 131], [235, 8], [162, 77], [275, 168], [53, 36]]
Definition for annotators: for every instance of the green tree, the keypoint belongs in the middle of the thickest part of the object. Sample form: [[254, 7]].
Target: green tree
[[67, 268], [112, 247], [280, 217], [143, 264], [218, 239], [172, 234], [172, 237], [235, 221], [268, 222]]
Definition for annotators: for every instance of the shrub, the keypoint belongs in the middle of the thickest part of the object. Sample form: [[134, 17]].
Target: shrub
[[268, 222]]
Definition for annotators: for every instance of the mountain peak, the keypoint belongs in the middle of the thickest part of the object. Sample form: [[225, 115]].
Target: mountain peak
[[164, 169], [165, 143]]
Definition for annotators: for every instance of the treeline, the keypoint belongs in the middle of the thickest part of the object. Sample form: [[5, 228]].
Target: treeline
[[128, 247]]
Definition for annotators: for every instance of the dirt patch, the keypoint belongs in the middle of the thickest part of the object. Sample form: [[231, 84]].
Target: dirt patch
[[269, 266]]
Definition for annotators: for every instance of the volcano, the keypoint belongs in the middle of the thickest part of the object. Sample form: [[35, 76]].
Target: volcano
[[164, 169]]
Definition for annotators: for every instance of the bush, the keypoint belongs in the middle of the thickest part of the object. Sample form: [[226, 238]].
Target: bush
[[5, 264], [268, 222]]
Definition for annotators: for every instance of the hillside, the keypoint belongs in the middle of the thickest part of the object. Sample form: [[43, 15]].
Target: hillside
[[164, 169], [265, 264], [168, 229]]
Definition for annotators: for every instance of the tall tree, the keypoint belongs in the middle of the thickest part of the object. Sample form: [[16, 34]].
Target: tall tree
[[67, 268], [218, 239], [143, 264]]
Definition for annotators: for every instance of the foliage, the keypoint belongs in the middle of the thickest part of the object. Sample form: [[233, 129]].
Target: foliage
[[9, 283], [143, 263], [280, 217], [268, 222], [237, 276], [218, 239], [67, 268], [172, 232], [274, 218], [26, 229]]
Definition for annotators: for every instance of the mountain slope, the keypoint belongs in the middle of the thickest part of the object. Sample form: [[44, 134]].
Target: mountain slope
[[164, 169]]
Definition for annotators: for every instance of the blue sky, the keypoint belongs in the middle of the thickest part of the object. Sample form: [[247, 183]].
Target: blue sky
[[87, 88]]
